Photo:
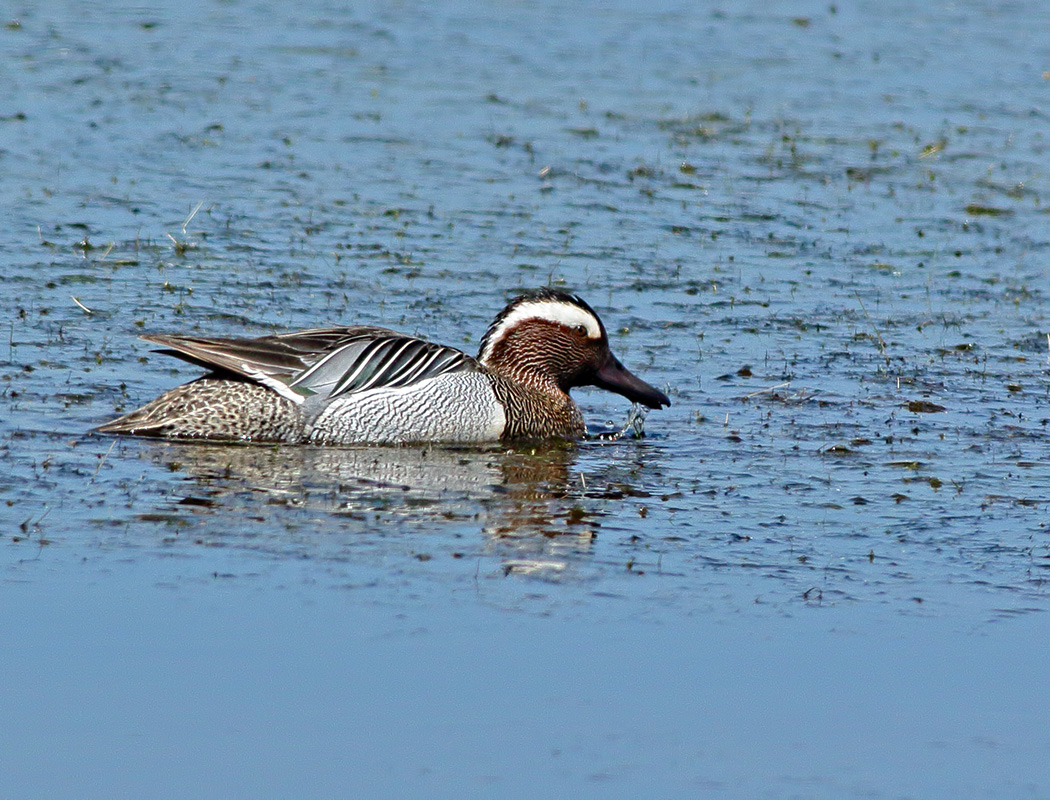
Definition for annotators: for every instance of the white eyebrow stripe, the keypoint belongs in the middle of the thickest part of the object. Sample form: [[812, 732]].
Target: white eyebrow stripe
[[553, 311]]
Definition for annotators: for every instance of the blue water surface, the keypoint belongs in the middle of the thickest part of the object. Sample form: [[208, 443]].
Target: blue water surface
[[819, 227]]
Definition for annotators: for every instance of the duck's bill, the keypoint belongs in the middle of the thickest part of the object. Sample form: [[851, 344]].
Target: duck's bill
[[616, 378]]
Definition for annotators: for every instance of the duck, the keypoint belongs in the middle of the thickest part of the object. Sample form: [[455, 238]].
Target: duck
[[361, 384]]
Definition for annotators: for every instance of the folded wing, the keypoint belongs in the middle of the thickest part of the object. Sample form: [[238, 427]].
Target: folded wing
[[325, 361]]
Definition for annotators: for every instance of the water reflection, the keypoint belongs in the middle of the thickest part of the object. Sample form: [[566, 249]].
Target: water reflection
[[356, 476], [525, 505]]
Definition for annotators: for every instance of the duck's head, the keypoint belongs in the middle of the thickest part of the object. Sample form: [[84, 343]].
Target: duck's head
[[547, 335]]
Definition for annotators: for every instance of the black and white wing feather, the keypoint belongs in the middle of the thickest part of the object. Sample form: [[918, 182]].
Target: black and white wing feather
[[370, 362], [325, 361]]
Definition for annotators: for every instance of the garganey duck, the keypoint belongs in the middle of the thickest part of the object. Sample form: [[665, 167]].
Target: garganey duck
[[361, 384]]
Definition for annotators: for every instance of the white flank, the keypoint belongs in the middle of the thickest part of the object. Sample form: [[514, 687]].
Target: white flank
[[565, 314], [283, 389]]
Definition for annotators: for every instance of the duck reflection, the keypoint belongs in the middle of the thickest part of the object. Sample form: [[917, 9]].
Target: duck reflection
[[527, 500]]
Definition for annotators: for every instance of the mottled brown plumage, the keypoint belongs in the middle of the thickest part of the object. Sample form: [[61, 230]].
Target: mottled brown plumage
[[214, 408]]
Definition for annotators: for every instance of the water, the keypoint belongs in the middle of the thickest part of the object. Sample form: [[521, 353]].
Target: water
[[821, 573]]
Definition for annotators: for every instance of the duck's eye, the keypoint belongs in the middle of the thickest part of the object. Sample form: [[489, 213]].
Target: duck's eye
[[580, 329]]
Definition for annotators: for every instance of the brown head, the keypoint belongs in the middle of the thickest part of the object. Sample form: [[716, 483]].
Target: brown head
[[547, 336]]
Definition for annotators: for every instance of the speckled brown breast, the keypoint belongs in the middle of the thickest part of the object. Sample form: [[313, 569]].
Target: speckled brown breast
[[537, 414]]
